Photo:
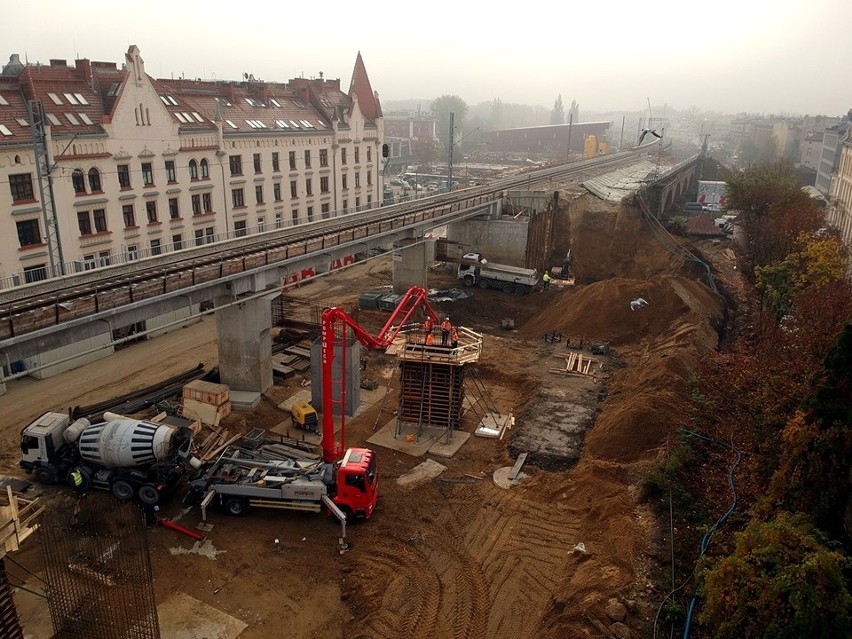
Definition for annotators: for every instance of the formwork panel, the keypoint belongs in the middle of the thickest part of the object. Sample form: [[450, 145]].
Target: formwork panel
[[431, 394], [98, 570]]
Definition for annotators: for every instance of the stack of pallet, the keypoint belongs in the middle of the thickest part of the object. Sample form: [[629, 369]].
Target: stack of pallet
[[208, 401]]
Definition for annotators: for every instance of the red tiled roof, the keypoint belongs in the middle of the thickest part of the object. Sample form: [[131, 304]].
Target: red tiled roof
[[13, 107], [360, 86], [66, 95]]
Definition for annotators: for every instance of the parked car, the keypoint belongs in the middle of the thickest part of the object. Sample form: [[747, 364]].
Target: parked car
[[714, 208], [694, 206]]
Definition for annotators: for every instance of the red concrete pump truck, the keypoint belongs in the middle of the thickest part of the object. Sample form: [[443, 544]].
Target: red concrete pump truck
[[345, 480]]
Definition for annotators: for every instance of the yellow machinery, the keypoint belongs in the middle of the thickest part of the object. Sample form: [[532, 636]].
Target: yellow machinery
[[304, 416]]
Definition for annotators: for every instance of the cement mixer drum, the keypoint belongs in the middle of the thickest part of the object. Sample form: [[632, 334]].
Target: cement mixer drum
[[128, 443]]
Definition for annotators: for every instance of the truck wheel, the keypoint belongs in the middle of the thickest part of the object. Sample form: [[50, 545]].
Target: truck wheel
[[507, 288], [520, 289], [483, 283], [149, 494], [122, 490], [469, 280], [236, 506], [45, 475]]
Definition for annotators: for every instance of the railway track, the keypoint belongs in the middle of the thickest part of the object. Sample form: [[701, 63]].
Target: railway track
[[51, 302]]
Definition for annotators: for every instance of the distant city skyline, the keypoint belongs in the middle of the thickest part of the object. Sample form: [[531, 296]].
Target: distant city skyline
[[781, 57]]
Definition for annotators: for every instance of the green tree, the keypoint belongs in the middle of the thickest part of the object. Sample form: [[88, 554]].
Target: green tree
[[557, 115], [781, 582], [441, 109]]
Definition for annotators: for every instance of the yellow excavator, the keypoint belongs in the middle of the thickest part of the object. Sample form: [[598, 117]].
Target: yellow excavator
[[305, 417]]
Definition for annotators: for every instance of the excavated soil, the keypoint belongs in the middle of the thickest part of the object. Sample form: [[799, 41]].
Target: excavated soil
[[457, 556]]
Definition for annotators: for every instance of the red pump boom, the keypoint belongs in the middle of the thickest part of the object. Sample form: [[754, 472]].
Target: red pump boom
[[335, 318]]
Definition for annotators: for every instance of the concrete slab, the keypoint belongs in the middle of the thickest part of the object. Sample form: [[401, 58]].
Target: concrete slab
[[303, 395], [244, 401], [424, 471], [185, 617], [385, 437], [494, 425], [443, 448], [501, 478]]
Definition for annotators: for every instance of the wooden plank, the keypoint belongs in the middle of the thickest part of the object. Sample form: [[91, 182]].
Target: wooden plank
[[219, 449], [516, 469]]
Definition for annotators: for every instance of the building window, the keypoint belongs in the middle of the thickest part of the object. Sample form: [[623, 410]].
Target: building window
[[261, 225], [174, 208], [151, 209], [325, 211], [310, 214], [292, 157], [79, 182], [292, 188], [343, 155], [257, 163], [369, 178], [357, 179], [177, 241], [35, 273], [258, 193], [171, 173], [369, 200], [323, 157], [307, 158], [344, 181], [21, 186], [279, 220], [369, 154], [275, 165], [205, 169], [132, 252], [240, 228], [323, 185], [276, 191], [123, 176], [100, 220], [308, 187], [104, 258], [357, 154], [236, 162], [208, 234], [28, 232], [84, 222], [129, 216], [147, 174], [357, 203], [295, 215], [156, 249], [345, 205], [207, 202], [199, 237], [193, 170], [196, 204], [94, 181], [237, 198]]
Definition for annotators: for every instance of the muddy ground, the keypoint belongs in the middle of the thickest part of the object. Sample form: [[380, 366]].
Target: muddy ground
[[457, 556]]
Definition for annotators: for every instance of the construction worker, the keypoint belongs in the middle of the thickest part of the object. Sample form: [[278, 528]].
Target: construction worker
[[428, 325], [78, 482], [445, 331], [430, 339], [546, 280], [454, 337]]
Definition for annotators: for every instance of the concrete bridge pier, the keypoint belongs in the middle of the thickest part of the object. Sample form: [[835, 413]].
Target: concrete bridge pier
[[245, 342], [411, 260]]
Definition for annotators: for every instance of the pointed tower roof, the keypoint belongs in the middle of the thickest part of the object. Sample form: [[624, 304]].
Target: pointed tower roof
[[368, 101]]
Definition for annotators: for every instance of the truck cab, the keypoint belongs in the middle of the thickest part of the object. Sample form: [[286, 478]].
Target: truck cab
[[43, 446], [357, 483]]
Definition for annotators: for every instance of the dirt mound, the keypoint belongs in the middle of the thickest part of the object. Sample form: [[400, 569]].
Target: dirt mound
[[678, 308]]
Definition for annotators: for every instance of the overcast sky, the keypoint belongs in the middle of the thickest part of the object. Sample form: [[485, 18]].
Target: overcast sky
[[758, 56]]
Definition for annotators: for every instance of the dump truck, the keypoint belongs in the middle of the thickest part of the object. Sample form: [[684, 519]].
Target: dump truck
[[485, 274], [129, 457]]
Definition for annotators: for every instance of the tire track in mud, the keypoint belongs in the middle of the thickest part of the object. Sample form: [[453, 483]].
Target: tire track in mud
[[522, 551], [405, 590]]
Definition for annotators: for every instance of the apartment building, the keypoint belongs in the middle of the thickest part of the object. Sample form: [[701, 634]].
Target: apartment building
[[137, 166]]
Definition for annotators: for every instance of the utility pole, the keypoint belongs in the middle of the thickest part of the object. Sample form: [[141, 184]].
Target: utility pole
[[450, 143], [570, 126], [44, 170], [621, 142]]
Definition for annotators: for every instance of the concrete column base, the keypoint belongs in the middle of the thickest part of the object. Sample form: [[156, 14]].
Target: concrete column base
[[409, 266], [245, 343]]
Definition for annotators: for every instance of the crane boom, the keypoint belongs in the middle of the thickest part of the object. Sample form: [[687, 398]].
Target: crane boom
[[335, 318]]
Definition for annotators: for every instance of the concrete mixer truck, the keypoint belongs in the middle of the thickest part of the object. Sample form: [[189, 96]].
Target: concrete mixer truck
[[130, 457]]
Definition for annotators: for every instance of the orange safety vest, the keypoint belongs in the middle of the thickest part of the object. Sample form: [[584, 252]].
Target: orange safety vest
[[454, 335], [428, 324], [445, 325], [430, 339]]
